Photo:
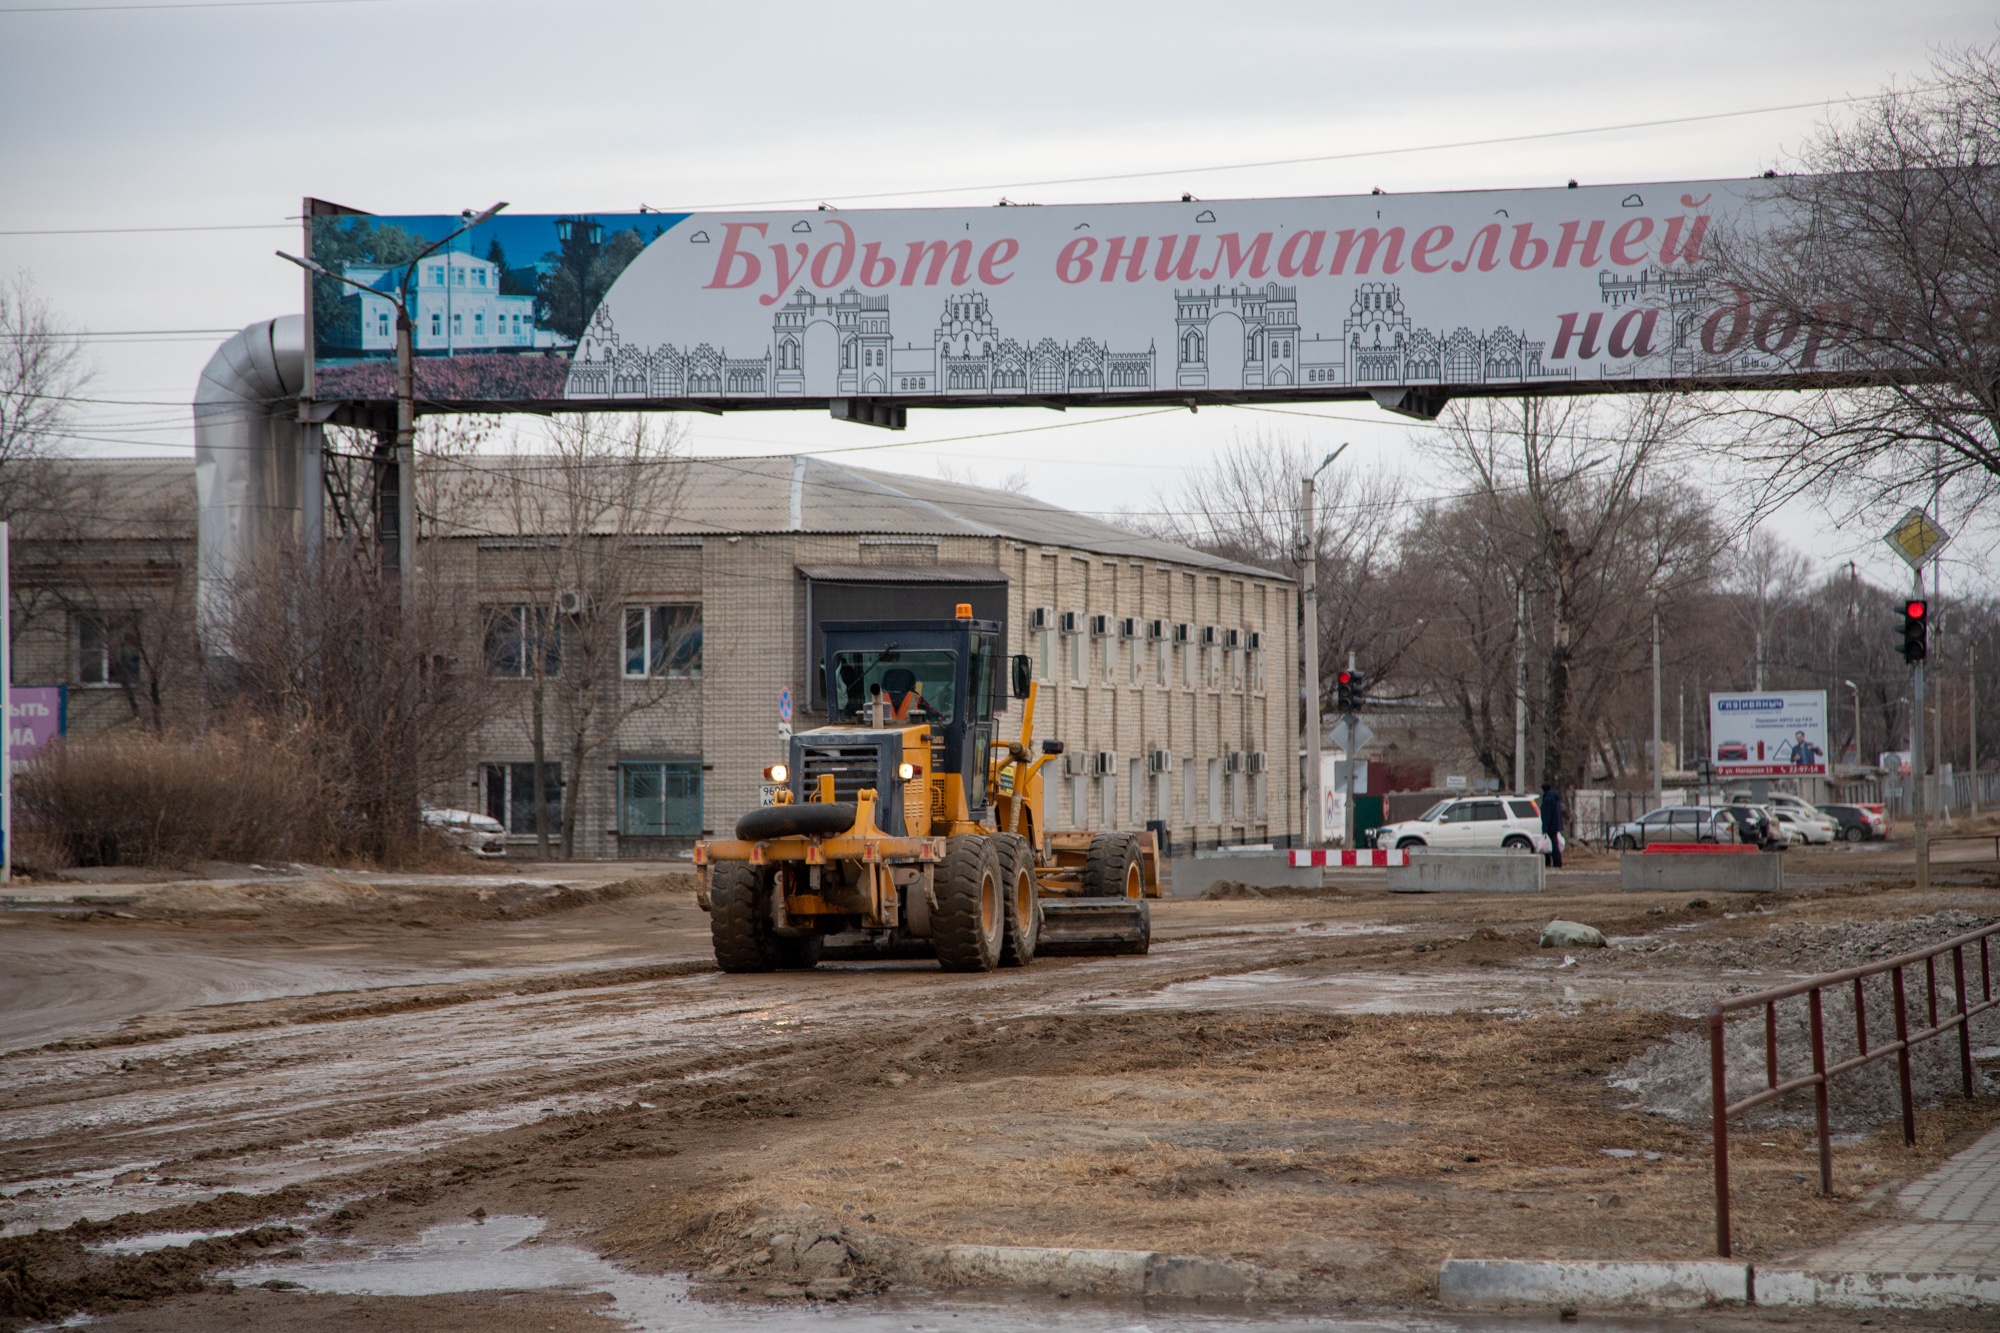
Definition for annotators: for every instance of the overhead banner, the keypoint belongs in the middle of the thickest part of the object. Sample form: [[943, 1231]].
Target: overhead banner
[[1780, 734], [1391, 296]]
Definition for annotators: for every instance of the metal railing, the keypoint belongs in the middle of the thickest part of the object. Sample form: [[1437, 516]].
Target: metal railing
[[1959, 1018]]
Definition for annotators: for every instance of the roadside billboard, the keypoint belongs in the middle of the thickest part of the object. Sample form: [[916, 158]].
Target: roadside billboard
[[1768, 734], [1397, 297], [37, 715]]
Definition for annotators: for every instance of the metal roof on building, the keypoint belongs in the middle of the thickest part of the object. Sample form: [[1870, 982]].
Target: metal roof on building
[[706, 497]]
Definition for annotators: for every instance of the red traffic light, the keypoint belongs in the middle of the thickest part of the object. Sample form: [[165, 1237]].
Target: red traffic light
[[1914, 609], [1346, 678]]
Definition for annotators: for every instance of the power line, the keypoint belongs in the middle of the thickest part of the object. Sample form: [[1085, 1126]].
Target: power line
[[1306, 161], [126, 231]]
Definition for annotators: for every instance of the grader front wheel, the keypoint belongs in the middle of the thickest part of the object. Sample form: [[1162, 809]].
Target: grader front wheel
[[971, 918], [739, 919], [1024, 907]]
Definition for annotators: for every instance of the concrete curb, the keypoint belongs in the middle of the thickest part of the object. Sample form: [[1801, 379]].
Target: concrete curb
[[1611, 1284], [1593, 1283], [1121, 1272], [1878, 1291]]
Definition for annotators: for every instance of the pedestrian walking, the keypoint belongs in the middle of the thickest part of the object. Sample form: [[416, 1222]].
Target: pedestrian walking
[[1552, 824]]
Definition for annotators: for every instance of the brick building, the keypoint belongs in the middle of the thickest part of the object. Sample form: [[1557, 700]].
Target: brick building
[[1170, 674]]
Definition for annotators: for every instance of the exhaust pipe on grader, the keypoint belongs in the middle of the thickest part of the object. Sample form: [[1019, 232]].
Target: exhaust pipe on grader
[[902, 828]]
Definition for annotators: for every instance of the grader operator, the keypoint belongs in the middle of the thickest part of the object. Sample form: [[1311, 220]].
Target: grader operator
[[902, 827]]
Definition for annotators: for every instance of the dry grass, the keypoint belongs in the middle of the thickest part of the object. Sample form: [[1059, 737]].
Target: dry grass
[[141, 798]]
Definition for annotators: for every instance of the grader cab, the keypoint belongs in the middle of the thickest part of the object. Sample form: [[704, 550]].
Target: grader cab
[[904, 827]]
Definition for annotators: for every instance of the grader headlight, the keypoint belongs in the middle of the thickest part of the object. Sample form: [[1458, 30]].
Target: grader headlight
[[777, 773], [907, 771]]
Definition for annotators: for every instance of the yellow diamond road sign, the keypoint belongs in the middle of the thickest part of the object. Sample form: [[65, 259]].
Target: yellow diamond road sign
[[1917, 537]]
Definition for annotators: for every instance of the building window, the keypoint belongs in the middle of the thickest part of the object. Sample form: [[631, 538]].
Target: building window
[[1188, 805], [437, 325], [1215, 791], [514, 634], [1136, 796], [382, 324], [510, 796], [107, 650], [1076, 659], [479, 277], [457, 276], [659, 798], [1042, 655], [457, 324], [437, 275], [1107, 801], [1078, 816], [663, 640], [1187, 665], [1133, 654], [1160, 664], [479, 322], [1110, 661]]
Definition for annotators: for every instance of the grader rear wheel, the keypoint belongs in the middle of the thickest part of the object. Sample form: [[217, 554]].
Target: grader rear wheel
[[739, 918], [971, 918], [1111, 870], [1023, 900]]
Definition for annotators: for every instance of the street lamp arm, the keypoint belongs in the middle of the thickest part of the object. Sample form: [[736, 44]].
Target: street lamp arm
[[411, 267], [312, 266]]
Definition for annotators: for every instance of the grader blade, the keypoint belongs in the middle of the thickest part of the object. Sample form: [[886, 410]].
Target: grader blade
[[1079, 926]]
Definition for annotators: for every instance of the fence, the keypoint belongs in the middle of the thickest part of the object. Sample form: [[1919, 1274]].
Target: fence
[[1823, 1074], [1954, 794]]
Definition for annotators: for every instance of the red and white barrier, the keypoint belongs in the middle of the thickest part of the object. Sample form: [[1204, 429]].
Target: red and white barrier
[[1366, 856]]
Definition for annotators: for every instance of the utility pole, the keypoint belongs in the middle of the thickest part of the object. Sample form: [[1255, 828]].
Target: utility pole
[[1937, 726], [1659, 758], [1917, 814], [1348, 822], [1521, 689], [1309, 575], [1971, 732]]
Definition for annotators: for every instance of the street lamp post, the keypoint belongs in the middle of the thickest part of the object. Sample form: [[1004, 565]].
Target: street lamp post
[[1309, 571], [399, 477], [1857, 720]]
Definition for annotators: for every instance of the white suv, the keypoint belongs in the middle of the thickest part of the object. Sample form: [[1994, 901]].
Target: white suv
[[1473, 823]]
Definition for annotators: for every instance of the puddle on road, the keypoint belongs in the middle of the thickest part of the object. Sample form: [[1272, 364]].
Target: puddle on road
[[1387, 993], [497, 1255]]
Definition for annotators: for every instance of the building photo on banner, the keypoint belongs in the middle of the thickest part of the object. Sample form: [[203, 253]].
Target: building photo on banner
[[1768, 735], [1338, 297]]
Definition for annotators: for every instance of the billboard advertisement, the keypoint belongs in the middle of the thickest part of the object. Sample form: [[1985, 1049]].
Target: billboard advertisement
[[37, 717], [1178, 302], [1767, 735]]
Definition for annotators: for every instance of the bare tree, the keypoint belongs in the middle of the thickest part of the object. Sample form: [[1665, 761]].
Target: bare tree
[[41, 373], [577, 512], [1572, 511], [1880, 263], [1767, 579], [1244, 506]]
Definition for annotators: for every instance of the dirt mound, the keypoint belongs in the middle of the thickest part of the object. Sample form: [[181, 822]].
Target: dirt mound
[[1225, 890], [52, 1274]]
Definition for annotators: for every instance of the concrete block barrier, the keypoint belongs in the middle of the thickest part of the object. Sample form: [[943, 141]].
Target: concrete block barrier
[[1878, 1291], [1433, 871], [1593, 1284], [1708, 872], [1118, 1272], [1194, 875]]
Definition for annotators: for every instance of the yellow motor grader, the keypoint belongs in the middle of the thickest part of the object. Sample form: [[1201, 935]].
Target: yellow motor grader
[[904, 828]]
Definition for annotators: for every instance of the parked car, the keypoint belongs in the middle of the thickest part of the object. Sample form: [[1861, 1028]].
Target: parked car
[[1806, 826], [1485, 823], [1731, 752], [482, 835], [1772, 802], [1674, 823], [1858, 823]]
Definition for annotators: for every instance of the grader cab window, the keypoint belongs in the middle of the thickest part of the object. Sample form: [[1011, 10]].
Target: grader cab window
[[916, 685]]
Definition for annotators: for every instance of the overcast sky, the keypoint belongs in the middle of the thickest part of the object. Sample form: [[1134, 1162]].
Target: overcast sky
[[225, 116]]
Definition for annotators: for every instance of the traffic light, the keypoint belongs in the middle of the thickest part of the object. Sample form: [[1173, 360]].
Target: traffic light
[[1348, 691], [1916, 630]]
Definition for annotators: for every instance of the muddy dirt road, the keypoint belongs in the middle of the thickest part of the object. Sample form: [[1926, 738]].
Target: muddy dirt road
[[1334, 1090]]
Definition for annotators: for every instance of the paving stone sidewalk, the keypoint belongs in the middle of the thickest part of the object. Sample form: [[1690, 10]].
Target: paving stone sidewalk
[[1951, 1223]]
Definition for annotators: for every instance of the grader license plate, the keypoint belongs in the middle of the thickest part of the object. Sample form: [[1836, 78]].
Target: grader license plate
[[767, 794]]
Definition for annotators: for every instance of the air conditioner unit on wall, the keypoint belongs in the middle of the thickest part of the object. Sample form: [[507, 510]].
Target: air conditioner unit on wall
[[1106, 762], [1100, 627], [1156, 629], [1069, 621], [1256, 641], [1128, 628], [1076, 763], [1233, 762], [1209, 635], [1183, 632], [1232, 639], [1160, 761], [1041, 618], [1256, 761], [570, 602]]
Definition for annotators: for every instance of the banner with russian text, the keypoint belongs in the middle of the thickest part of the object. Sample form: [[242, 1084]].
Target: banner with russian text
[[1219, 300]]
